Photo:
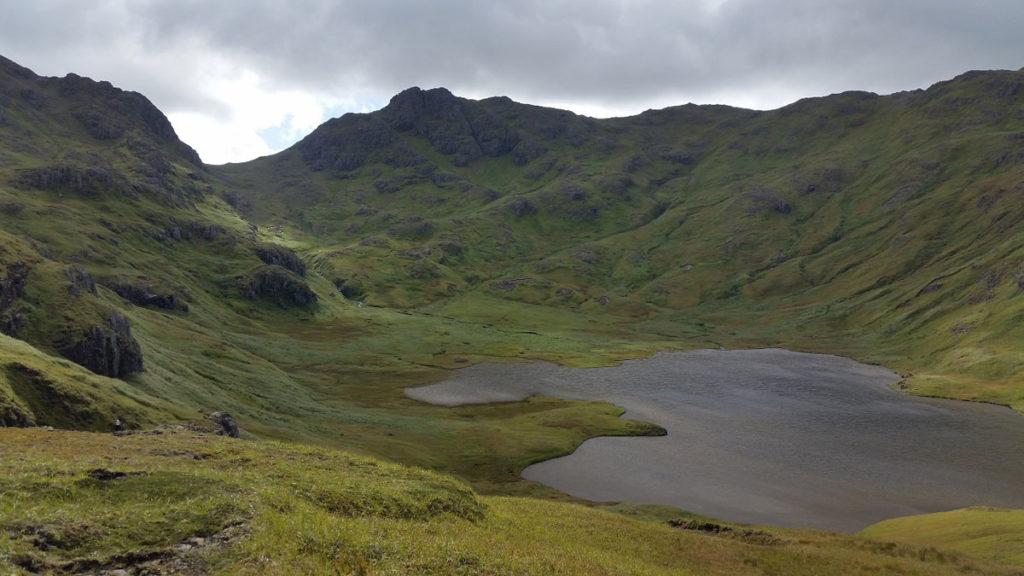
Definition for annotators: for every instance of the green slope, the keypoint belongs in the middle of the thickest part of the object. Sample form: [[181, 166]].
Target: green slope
[[194, 503], [302, 292], [886, 228]]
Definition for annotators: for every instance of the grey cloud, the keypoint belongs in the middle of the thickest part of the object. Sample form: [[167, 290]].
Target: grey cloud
[[614, 53]]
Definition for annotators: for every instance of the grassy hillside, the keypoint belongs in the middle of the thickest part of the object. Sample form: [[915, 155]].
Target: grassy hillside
[[990, 533], [886, 228], [302, 292], [192, 503]]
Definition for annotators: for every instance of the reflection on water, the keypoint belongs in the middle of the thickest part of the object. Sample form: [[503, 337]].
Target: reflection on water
[[769, 436]]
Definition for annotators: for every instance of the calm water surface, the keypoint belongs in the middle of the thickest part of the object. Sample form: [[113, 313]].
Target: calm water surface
[[768, 437]]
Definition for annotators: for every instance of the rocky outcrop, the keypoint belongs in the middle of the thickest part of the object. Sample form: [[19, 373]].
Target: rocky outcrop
[[144, 294], [106, 350], [346, 143], [71, 178], [80, 280], [278, 284], [12, 284], [108, 113], [277, 255], [463, 130]]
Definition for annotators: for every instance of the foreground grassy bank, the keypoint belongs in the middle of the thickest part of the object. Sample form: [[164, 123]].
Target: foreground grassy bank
[[181, 500]]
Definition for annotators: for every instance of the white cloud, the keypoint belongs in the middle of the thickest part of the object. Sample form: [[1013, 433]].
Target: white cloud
[[258, 118]]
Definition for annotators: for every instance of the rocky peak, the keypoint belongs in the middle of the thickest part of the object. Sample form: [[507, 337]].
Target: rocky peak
[[409, 106], [108, 112]]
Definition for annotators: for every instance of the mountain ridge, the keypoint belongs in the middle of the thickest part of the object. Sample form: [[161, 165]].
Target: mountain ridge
[[883, 225], [299, 294]]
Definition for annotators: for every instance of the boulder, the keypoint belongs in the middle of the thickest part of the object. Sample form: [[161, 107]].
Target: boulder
[[226, 425]]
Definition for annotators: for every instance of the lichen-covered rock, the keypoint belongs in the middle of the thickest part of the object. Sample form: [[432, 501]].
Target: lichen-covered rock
[[279, 284], [106, 350], [277, 255]]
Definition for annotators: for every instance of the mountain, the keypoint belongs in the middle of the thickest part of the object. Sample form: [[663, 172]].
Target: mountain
[[885, 227], [301, 292], [881, 227]]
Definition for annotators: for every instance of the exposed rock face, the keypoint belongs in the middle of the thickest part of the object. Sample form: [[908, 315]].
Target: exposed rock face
[[71, 178], [106, 350], [282, 256], [277, 284], [12, 284], [108, 113], [463, 130], [345, 143], [142, 294]]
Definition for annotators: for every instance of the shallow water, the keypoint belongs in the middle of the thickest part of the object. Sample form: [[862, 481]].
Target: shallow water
[[768, 437]]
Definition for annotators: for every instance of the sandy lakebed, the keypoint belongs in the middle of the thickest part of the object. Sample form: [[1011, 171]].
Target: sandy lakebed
[[767, 437]]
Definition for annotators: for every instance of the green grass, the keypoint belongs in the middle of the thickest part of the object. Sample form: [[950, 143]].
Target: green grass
[[176, 499], [989, 533]]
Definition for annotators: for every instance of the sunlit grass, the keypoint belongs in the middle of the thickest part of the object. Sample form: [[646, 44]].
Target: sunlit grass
[[176, 498]]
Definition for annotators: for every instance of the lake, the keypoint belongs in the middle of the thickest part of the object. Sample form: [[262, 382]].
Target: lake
[[768, 437]]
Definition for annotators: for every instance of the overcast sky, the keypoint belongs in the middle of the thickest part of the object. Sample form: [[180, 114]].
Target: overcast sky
[[241, 79]]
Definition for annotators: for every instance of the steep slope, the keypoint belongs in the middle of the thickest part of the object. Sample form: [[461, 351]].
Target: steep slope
[[137, 284], [882, 227], [886, 227], [116, 255], [137, 294]]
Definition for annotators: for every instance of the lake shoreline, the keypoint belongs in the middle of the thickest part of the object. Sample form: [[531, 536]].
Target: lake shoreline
[[750, 460]]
